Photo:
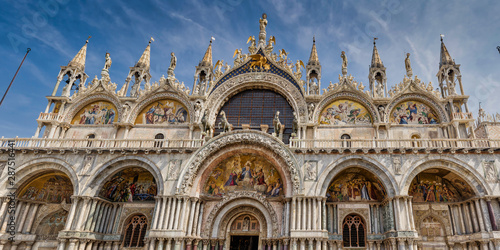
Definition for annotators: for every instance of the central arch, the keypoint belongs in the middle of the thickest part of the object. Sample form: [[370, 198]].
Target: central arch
[[238, 203], [268, 146], [256, 80]]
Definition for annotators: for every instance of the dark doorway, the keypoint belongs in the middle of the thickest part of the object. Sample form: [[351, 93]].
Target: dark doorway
[[244, 243]]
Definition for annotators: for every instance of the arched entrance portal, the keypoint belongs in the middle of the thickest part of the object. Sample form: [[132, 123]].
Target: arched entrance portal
[[244, 233]]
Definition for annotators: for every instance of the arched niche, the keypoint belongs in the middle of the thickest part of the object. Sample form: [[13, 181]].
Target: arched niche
[[164, 111], [49, 187], [50, 225], [355, 185], [244, 171], [132, 184], [345, 112], [413, 112], [96, 113], [439, 185]]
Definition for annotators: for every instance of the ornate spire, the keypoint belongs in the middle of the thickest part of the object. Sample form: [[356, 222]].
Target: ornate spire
[[207, 58], [313, 58], [376, 61], [79, 60], [445, 56], [144, 61]]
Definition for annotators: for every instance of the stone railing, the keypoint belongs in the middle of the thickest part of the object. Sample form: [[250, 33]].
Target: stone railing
[[49, 116], [462, 116], [105, 144], [428, 144]]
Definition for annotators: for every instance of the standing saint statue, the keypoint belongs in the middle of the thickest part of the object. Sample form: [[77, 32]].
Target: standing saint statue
[[108, 62], [344, 63], [409, 72], [263, 22], [173, 63], [262, 33]]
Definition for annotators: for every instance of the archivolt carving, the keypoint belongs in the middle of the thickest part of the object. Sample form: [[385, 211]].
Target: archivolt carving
[[237, 137], [79, 104], [165, 95], [258, 80], [241, 195], [243, 210], [346, 95], [436, 106]]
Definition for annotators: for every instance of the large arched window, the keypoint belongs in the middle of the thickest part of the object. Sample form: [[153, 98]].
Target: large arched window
[[353, 231], [256, 107], [135, 230]]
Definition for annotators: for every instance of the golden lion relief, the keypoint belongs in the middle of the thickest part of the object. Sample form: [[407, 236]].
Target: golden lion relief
[[259, 62]]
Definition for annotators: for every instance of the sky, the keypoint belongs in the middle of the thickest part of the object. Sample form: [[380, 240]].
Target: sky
[[56, 29]]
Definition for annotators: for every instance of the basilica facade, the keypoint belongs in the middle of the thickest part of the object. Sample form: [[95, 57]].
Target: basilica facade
[[255, 156]]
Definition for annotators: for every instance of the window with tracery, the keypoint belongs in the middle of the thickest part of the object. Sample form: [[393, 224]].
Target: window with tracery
[[135, 231], [431, 227], [255, 107], [353, 231]]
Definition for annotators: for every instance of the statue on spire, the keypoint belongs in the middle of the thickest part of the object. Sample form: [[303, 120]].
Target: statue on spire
[[107, 65], [262, 33], [409, 72], [344, 63], [173, 64]]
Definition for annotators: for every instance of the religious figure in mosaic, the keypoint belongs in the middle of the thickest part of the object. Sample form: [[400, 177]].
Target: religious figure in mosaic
[[244, 172]]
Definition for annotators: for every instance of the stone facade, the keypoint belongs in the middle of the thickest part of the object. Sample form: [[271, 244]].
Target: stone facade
[[164, 168]]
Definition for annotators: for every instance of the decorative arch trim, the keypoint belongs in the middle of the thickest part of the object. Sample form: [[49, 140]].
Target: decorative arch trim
[[468, 173], [433, 104], [78, 105], [142, 104], [104, 171], [232, 201], [349, 96], [40, 165], [198, 160], [246, 69], [388, 180], [256, 80]]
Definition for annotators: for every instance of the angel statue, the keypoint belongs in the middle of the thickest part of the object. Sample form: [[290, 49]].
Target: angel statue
[[270, 43], [173, 64], [344, 63], [253, 46], [298, 72], [218, 68], [409, 72], [237, 57], [277, 124]]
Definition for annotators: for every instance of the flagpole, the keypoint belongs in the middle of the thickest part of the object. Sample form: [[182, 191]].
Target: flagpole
[[27, 51]]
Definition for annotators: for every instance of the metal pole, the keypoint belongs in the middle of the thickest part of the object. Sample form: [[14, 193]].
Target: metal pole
[[27, 51]]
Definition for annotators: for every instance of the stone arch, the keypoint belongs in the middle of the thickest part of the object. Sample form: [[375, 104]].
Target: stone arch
[[148, 99], [103, 172], [349, 95], [442, 219], [265, 141], [468, 173], [362, 162], [234, 201], [72, 110], [231, 216], [256, 80], [424, 98], [35, 167]]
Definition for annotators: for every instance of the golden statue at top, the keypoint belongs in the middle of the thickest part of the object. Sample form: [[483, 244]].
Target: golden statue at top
[[263, 23]]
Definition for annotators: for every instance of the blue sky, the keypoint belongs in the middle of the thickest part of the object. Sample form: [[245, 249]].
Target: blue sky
[[56, 29]]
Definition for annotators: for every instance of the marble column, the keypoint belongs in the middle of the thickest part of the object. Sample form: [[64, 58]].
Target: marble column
[[293, 213], [23, 218], [27, 228], [479, 215], [158, 202]]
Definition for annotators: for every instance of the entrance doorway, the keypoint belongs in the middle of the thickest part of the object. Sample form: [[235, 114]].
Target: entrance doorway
[[244, 243]]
